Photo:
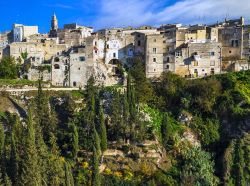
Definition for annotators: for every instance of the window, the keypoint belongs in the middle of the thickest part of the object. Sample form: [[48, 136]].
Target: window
[[95, 43], [138, 35], [107, 46], [212, 63], [155, 40], [195, 72], [235, 43], [154, 50], [211, 53], [79, 68], [74, 84], [56, 66], [212, 71], [139, 43], [167, 66], [178, 53], [196, 63], [82, 58], [114, 55], [154, 59], [230, 51]]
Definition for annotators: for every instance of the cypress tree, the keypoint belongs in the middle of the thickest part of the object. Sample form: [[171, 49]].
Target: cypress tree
[[96, 142], [126, 116], [30, 173], [75, 145], [43, 114], [43, 155], [129, 87], [131, 96], [90, 90], [103, 131], [2, 139], [96, 178], [55, 168], [69, 180], [116, 117], [14, 161]]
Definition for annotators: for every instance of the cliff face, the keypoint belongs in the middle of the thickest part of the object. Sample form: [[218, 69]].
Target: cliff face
[[9, 104]]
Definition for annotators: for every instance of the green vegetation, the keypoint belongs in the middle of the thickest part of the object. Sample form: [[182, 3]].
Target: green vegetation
[[17, 82], [173, 131], [8, 68]]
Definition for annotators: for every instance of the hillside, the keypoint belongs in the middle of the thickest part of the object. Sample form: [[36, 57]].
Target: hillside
[[168, 131]]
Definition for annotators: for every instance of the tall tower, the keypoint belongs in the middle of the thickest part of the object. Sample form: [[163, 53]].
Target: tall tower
[[54, 26], [54, 22]]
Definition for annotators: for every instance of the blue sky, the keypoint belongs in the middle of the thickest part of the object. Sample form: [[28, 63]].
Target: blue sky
[[119, 13]]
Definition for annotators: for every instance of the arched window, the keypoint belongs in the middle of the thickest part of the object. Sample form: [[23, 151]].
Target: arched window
[[56, 66], [57, 59]]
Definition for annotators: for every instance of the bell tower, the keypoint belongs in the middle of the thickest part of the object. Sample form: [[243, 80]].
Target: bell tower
[[54, 22], [54, 26]]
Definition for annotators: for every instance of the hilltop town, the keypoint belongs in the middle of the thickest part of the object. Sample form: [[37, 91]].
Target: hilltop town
[[142, 106], [68, 56]]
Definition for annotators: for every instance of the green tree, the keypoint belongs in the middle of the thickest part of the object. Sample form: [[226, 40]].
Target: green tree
[[14, 161], [69, 180], [75, 142], [30, 174], [96, 177], [96, 142], [55, 168], [24, 55], [8, 68], [2, 140], [103, 131], [198, 169], [170, 88], [44, 119], [143, 87]]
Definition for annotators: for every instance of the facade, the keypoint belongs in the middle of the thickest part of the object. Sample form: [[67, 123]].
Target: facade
[[71, 35], [20, 32], [75, 52], [43, 49]]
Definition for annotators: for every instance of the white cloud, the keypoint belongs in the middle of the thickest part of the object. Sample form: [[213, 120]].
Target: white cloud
[[115, 13], [63, 6]]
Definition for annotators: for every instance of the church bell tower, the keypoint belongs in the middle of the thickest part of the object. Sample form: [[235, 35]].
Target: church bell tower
[[54, 26]]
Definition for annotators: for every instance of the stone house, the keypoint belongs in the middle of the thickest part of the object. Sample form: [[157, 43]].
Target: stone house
[[198, 60], [20, 32], [155, 51]]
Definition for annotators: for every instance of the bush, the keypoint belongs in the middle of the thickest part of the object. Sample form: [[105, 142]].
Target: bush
[[8, 68]]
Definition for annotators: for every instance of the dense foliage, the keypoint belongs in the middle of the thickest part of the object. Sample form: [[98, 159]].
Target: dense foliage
[[200, 127], [8, 68]]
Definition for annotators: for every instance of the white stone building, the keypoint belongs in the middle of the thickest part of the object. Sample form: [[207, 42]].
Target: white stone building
[[20, 32]]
